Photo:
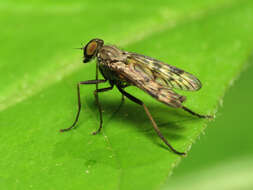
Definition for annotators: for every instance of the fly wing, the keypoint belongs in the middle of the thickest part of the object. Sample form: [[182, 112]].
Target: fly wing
[[141, 77], [166, 75]]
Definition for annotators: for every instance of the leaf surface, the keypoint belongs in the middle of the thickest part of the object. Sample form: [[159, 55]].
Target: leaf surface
[[210, 39]]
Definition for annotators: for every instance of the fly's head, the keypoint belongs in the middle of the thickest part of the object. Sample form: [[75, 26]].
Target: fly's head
[[91, 49]]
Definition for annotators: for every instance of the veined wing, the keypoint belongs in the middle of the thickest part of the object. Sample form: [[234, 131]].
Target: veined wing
[[164, 74], [133, 75]]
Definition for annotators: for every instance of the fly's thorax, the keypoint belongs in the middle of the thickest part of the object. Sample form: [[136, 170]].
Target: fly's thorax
[[108, 54], [110, 57], [115, 77]]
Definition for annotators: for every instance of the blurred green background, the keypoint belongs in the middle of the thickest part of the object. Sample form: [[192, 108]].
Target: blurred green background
[[39, 70], [222, 158]]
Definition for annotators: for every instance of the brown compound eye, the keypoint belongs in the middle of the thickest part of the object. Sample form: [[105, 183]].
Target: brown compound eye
[[91, 48]]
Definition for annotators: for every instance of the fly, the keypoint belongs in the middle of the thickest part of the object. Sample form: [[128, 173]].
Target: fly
[[123, 69]]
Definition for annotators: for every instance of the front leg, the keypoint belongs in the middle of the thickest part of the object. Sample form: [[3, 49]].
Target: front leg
[[79, 100]]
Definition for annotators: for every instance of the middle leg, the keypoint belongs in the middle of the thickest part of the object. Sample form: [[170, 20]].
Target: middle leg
[[99, 107]]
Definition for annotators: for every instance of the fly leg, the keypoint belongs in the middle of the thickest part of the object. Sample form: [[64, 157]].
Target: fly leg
[[99, 107], [196, 114], [79, 101], [129, 96]]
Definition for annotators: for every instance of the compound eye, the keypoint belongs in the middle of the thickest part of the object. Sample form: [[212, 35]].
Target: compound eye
[[91, 48]]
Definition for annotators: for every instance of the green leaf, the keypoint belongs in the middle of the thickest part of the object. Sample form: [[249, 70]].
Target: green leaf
[[211, 39]]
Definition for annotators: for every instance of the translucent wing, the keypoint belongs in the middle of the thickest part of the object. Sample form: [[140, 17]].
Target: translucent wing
[[133, 74], [164, 74]]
